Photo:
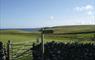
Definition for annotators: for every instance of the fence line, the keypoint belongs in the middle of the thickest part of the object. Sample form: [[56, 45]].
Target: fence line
[[12, 54]]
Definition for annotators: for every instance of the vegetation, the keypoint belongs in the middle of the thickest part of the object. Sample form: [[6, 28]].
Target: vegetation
[[60, 34]]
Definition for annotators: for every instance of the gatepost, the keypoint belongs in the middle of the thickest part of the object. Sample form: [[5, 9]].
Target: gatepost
[[44, 31]]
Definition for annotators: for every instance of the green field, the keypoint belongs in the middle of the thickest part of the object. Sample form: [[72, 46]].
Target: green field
[[16, 35], [25, 37]]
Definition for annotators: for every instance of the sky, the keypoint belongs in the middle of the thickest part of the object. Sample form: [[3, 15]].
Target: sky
[[42, 13]]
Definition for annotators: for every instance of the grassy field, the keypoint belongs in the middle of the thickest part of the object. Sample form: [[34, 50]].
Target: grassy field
[[25, 37], [32, 37]]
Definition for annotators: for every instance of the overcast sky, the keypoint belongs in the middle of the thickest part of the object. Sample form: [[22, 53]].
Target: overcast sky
[[41, 13]]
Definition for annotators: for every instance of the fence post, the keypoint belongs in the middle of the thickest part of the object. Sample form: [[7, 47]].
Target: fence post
[[8, 50], [42, 43]]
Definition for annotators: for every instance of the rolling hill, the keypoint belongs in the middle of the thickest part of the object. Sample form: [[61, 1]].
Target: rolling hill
[[56, 29]]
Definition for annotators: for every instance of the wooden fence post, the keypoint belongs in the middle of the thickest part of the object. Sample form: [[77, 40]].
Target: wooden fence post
[[8, 50], [42, 43]]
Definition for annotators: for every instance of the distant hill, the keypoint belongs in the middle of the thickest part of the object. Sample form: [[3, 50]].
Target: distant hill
[[56, 29], [19, 30], [74, 29]]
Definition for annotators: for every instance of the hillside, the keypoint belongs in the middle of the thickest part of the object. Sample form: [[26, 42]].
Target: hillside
[[17, 35], [74, 29], [56, 29]]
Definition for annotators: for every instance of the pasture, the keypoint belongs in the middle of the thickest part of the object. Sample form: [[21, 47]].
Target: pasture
[[27, 37]]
